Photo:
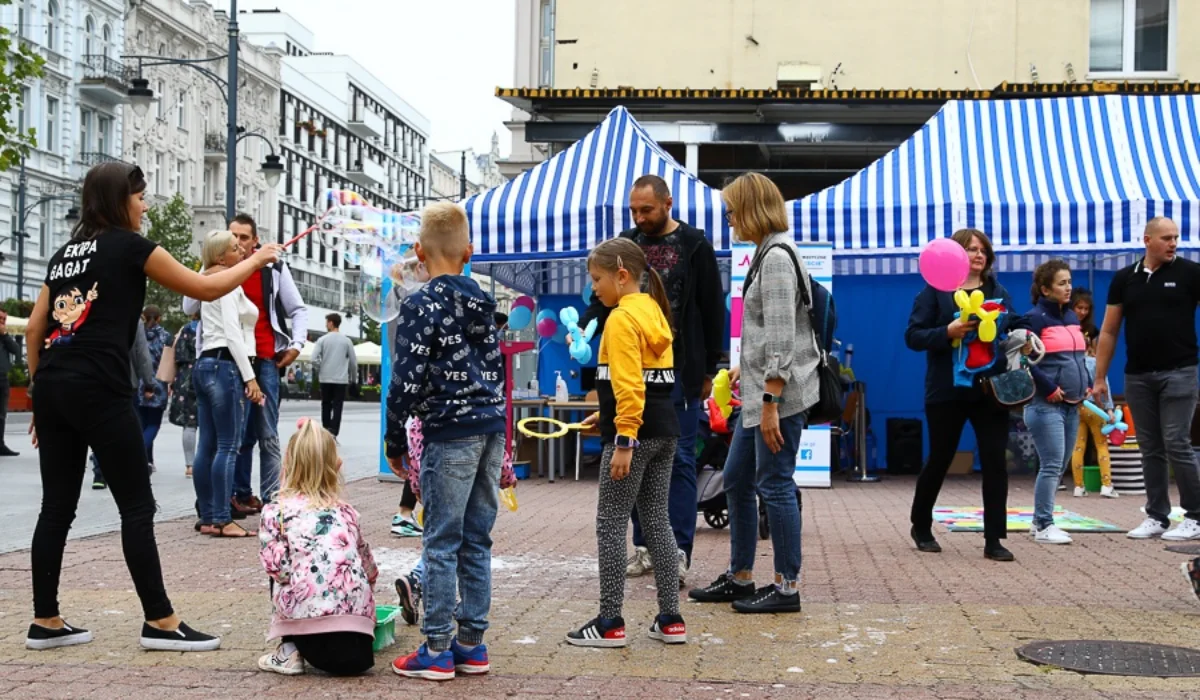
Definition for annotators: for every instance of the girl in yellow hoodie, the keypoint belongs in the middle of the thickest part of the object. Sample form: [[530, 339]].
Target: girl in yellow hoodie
[[639, 428]]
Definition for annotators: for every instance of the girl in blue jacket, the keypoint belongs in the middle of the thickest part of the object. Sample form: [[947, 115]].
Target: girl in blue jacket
[[1063, 382]]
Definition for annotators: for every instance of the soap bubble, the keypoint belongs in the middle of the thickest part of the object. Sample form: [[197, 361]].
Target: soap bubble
[[386, 276]]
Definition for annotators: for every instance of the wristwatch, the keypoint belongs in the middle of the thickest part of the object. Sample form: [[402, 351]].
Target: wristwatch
[[625, 442], [768, 397]]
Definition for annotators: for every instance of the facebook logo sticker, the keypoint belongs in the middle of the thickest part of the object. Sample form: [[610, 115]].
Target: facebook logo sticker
[[806, 454]]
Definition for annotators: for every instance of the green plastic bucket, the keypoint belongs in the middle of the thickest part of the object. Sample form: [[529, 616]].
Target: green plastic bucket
[[385, 626], [1091, 479]]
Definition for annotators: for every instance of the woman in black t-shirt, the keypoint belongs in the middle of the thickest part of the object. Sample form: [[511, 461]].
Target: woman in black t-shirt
[[78, 340]]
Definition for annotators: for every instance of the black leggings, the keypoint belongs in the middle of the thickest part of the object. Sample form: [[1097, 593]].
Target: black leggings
[[336, 653], [408, 499], [946, 421], [73, 413]]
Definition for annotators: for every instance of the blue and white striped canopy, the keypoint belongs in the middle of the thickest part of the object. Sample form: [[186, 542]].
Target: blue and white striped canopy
[[1053, 175], [567, 205]]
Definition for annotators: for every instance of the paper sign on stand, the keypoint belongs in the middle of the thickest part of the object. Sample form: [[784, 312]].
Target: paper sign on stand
[[813, 459]]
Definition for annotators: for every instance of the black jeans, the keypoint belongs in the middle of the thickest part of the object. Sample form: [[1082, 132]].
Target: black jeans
[[72, 413], [946, 421], [4, 390], [336, 653], [332, 398]]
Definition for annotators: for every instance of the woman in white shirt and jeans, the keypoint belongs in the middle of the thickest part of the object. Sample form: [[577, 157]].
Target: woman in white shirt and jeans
[[223, 378]]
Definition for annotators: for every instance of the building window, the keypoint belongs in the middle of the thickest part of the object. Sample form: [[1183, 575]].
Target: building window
[[107, 36], [51, 143], [1132, 37], [180, 185], [85, 130], [546, 62], [181, 109], [160, 90], [23, 112], [104, 135], [158, 170], [89, 36], [43, 228], [52, 25]]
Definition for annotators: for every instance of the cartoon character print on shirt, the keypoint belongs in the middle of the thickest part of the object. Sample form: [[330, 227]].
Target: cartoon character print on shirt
[[70, 310]]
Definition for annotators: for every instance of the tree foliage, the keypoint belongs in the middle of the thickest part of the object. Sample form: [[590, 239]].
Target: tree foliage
[[17, 65], [370, 330], [171, 228]]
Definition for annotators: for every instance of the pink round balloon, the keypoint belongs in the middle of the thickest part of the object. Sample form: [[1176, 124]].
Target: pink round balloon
[[525, 301], [944, 264], [547, 327]]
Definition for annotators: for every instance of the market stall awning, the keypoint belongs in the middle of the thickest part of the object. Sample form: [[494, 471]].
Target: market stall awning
[[368, 353], [567, 205], [1062, 175]]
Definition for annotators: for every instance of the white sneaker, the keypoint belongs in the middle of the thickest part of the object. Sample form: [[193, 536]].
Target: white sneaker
[[1149, 528], [639, 563], [1080, 492], [683, 567], [1051, 534], [1187, 530], [276, 662], [1109, 492]]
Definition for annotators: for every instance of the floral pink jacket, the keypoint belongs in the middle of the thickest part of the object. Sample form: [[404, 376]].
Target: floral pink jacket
[[416, 447], [322, 568]]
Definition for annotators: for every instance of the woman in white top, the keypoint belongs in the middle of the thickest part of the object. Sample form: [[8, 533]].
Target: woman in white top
[[223, 378]]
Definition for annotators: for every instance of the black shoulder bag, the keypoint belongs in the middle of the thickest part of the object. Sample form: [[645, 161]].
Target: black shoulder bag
[[828, 408]]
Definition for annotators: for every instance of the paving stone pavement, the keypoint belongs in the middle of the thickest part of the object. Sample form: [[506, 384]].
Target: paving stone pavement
[[880, 620]]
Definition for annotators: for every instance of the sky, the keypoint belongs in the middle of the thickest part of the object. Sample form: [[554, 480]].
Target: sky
[[444, 58]]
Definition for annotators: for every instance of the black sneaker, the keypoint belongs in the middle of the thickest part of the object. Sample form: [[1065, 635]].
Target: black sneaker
[[769, 599], [599, 633], [45, 638], [925, 541], [408, 587], [669, 629], [725, 589], [997, 552], [183, 639], [6, 451]]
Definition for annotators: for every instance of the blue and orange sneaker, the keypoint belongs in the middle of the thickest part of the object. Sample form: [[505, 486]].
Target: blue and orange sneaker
[[470, 662], [424, 664]]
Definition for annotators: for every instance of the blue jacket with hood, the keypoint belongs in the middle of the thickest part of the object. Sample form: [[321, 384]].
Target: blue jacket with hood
[[1065, 363], [447, 368]]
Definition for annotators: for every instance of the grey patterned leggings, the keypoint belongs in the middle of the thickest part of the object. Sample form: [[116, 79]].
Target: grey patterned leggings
[[647, 485]]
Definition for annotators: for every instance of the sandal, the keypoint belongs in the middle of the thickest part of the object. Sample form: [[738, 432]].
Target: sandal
[[209, 529], [239, 533]]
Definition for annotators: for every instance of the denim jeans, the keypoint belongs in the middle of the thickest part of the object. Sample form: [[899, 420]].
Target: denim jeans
[[1162, 405], [751, 469], [459, 487], [262, 425], [220, 413], [681, 502], [151, 419], [1054, 427]]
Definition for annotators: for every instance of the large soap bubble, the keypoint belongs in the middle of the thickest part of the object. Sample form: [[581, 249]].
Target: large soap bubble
[[386, 277]]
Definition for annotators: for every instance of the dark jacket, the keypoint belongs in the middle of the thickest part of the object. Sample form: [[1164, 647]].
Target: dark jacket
[[1065, 362], [700, 333], [447, 366], [932, 312], [9, 350]]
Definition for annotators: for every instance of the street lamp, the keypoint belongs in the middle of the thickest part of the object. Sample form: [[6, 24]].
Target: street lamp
[[23, 215], [140, 96], [271, 169]]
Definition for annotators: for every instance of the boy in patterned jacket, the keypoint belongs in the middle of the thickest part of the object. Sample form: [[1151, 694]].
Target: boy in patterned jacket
[[447, 372]]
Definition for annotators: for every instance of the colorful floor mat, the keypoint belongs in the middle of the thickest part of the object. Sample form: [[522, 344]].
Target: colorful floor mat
[[958, 519]]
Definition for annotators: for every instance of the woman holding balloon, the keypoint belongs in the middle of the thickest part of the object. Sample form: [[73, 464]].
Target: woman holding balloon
[[936, 327]]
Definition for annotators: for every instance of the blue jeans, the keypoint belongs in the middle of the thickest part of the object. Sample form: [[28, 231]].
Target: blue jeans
[[151, 419], [1054, 427], [459, 484], [262, 425], [681, 500], [752, 470], [220, 414]]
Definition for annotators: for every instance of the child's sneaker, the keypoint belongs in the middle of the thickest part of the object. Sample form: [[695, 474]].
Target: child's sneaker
[[669, 629], [46, 638], [405, 527], [1080, 492], [423, 663], [470, 662], [599, 633], [285, 664], [408, 587], [1109, 492]]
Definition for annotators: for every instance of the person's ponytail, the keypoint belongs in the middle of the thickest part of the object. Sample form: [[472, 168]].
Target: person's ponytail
[[658, 292]]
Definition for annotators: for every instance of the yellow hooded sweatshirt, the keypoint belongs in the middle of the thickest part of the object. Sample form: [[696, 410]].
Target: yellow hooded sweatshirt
[[636, 372]]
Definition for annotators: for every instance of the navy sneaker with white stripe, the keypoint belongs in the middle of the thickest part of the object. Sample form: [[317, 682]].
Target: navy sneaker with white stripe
[[183, 638], [669, 629], [600, 632], [46, 638]]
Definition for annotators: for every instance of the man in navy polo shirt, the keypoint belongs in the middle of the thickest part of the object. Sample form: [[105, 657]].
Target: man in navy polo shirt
[[1157, 298]]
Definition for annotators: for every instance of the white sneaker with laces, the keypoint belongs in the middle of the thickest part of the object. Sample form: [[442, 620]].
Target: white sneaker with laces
[[1109, 492], [1051, 534], [1149, 528], [639, 563], [1080, 492], [1187, 530], [683, 567], [276, 662]]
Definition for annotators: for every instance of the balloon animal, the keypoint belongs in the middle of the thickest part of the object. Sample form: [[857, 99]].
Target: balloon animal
[[581, 350], [973, 306]]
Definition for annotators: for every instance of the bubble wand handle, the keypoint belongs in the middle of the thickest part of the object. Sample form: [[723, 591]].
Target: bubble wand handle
[[310, 229]]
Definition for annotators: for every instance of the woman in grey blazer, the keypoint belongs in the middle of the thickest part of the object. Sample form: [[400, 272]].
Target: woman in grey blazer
[[777, 370]]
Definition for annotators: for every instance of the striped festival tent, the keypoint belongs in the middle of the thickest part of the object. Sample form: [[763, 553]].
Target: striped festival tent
[[1065, 175], [531, 233]]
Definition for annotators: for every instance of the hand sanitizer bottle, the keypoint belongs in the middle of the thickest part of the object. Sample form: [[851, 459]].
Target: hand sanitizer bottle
[[560, 389]]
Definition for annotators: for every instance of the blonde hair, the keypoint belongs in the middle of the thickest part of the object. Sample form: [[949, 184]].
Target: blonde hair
[[758, 205], [444, 230], [216, 244], [310, 466]]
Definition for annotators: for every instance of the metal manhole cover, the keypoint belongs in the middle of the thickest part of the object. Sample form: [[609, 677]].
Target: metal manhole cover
[[1115, 658], [1190, 549]]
